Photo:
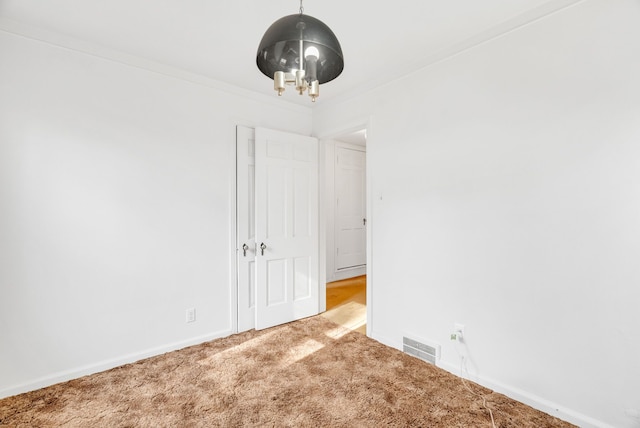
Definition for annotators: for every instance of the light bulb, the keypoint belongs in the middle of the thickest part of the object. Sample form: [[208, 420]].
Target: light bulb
[[311, 51], [311, 55]]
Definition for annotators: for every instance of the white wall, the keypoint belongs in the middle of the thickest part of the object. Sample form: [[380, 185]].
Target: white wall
[[116, 187], [506, 196]]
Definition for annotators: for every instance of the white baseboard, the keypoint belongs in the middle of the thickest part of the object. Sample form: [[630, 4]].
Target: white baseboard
[[386, 341], [66, 375], [532, 400], [347, 273]]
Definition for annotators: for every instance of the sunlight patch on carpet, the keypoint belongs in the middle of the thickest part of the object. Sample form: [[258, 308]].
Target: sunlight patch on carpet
[[303, 350], [225, 354], [337, 333], [351, 315]]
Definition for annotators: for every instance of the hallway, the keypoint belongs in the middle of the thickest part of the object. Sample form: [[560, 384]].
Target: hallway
[[346, 303]]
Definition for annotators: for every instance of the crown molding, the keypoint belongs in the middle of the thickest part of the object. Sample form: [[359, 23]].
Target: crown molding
[[103, 52], [494, 32]]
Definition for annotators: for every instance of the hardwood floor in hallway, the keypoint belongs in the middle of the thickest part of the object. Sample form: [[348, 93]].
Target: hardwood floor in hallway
[[346, 303]]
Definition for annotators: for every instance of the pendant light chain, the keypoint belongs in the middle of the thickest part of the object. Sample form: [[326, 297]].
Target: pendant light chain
[[301, 8]]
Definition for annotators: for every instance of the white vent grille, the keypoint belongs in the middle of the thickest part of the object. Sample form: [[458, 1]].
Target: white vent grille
[[426, 352]]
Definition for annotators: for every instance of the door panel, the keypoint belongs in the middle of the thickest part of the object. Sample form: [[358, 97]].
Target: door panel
[[301, 281], [246, 224], [287, 223], [301, 209], [350, 208], [276, 285], [274, 202]]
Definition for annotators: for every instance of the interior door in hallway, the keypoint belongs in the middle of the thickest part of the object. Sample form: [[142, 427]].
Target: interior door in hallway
[[350, 217]]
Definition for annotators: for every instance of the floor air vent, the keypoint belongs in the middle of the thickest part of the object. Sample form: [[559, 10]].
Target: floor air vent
[[429, 353]]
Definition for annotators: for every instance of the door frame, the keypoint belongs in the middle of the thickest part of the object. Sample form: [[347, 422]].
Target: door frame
[[366, 123]]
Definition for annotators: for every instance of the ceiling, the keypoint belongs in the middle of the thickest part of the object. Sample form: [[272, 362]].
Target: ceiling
[[381, 41]]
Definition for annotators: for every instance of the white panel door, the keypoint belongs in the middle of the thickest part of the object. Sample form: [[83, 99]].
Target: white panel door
[[286, 227], [350, 187], [246, 227]]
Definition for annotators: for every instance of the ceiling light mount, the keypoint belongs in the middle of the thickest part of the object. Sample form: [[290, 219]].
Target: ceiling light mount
[[300, 50]]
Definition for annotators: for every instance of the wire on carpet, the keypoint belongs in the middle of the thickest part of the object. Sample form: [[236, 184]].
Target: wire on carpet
[[463, 372]]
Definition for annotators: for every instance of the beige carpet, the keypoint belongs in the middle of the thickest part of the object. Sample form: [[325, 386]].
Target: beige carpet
[[311, 373]]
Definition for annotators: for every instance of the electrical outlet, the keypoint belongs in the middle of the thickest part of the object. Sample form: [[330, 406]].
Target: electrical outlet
[[458, 332], [191, 315], [459, 327]]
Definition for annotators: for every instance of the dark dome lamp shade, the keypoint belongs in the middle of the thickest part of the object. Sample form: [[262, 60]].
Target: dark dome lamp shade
[[300, 50]]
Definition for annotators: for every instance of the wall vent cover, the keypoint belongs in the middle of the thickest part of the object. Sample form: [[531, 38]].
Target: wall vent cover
[[426, 352]]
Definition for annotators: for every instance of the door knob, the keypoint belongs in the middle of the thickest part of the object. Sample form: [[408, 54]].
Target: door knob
[[364, 221], [262, 248], [245, 247]]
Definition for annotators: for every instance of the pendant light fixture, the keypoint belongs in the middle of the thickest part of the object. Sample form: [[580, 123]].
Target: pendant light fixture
[[300, 50]]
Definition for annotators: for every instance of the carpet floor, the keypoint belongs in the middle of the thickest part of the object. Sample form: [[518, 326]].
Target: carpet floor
[[309, 373]]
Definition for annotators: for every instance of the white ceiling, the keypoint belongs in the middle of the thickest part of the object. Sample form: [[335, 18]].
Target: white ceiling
[[218, 39]]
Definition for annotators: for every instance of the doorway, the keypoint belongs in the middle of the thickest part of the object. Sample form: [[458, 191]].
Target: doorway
[[247, 254], [347, 303], [346, 229]]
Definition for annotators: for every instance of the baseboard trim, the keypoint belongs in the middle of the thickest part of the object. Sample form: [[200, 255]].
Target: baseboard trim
[[89, 369], [347, 273], [386, 341], [529, 399], [532, 400]]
